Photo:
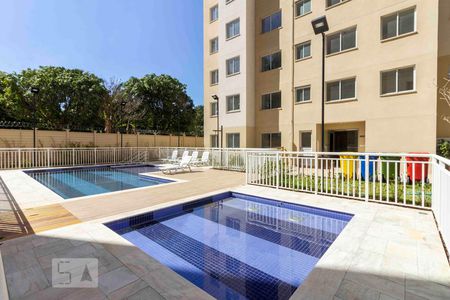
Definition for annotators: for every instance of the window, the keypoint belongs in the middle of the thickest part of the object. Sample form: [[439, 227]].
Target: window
[[341, 41], [233, 66], [214, 77], [341, 89], [270, 101], [399, 23], [271, 140], [305, 140], [214, 109], [233, 103], [214, 141], [334, 2], [271, 22], [214, 45], [272, 61], [302, 7], [397, 81], [303, 94], [214, 13], [233, 140], [303, 50], [233, 29]]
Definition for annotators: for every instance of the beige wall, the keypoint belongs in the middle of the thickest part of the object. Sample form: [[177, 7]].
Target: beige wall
[[10, 138], [406, 122]]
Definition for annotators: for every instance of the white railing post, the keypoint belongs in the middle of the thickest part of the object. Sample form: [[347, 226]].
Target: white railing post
[[73, 157], [366, 176], [20, 158], [95, 156], [316, 173], [48, 157], [277, 157], [246, 167]]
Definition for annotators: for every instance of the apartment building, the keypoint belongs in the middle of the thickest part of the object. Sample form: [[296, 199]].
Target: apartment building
[[384, 61]]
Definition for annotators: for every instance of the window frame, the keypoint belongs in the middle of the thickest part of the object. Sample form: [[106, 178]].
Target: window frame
[[340, 90], [301, 139], [271, 61], [214, 137], [300, 45], [216, 39], [308, 86], [271, 27], [334, 5], [211, 77], [239, 139], [397, 23], [232, 22], [340, 32], [271, 100], [270, 134], [226, 66], [414, 90], [211, 105], [304, 14], [211, 20], [233, 97]]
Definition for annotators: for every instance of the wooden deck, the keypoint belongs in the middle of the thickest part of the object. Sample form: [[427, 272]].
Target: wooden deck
[[15, 222]]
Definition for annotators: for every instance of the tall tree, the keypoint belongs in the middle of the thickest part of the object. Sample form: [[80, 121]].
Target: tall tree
[[67, 97], [168, 106], [121, 111]]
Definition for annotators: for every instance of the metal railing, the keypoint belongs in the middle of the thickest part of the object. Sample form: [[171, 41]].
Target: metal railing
[[30, 158], [412, 180]]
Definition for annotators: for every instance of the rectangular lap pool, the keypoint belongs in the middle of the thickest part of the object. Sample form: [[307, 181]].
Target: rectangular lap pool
[[79, 182], [236, 246]]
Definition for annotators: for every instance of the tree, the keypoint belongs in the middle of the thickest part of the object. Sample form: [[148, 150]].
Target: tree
[[67, 97], [120, 109], [444, 93], [165, 100]]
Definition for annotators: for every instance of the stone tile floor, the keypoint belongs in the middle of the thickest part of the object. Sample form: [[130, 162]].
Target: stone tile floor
[[385, 252]]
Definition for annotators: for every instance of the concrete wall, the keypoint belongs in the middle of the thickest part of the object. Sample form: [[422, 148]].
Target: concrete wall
[[15, 138]]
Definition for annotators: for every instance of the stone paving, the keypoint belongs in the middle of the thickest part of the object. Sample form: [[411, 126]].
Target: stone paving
[[385, 252]]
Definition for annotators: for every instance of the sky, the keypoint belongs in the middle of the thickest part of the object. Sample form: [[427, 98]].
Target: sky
[[110, 38]]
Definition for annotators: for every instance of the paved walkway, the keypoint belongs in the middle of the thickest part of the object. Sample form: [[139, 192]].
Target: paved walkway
[[201, 181]]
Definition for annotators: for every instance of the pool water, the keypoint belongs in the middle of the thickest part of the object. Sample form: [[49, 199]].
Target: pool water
[[236, 246], [79, 182]]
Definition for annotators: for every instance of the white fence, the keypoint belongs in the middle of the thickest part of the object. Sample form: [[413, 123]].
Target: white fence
[[413, 180], [27, 158]]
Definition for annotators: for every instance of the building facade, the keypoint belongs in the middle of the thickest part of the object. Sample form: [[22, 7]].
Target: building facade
[[384, 61]]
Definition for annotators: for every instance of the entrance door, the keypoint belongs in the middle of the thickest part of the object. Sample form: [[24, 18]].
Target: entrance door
[[344, 141]]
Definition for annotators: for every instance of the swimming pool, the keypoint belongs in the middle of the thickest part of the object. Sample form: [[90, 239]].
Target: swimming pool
[[236, 246], [79, 182]]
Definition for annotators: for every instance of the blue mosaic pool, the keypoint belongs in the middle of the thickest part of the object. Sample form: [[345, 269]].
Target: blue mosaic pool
[[79, 182], [236, 246]]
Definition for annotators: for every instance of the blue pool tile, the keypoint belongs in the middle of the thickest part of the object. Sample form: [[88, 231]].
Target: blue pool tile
[[78, 182], [257, 284], [236, 246]]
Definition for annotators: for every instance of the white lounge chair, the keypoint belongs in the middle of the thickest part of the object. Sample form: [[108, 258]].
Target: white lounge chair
[[185, 154], [194, 157], [172, 158], [184, 164], [202, 161]]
